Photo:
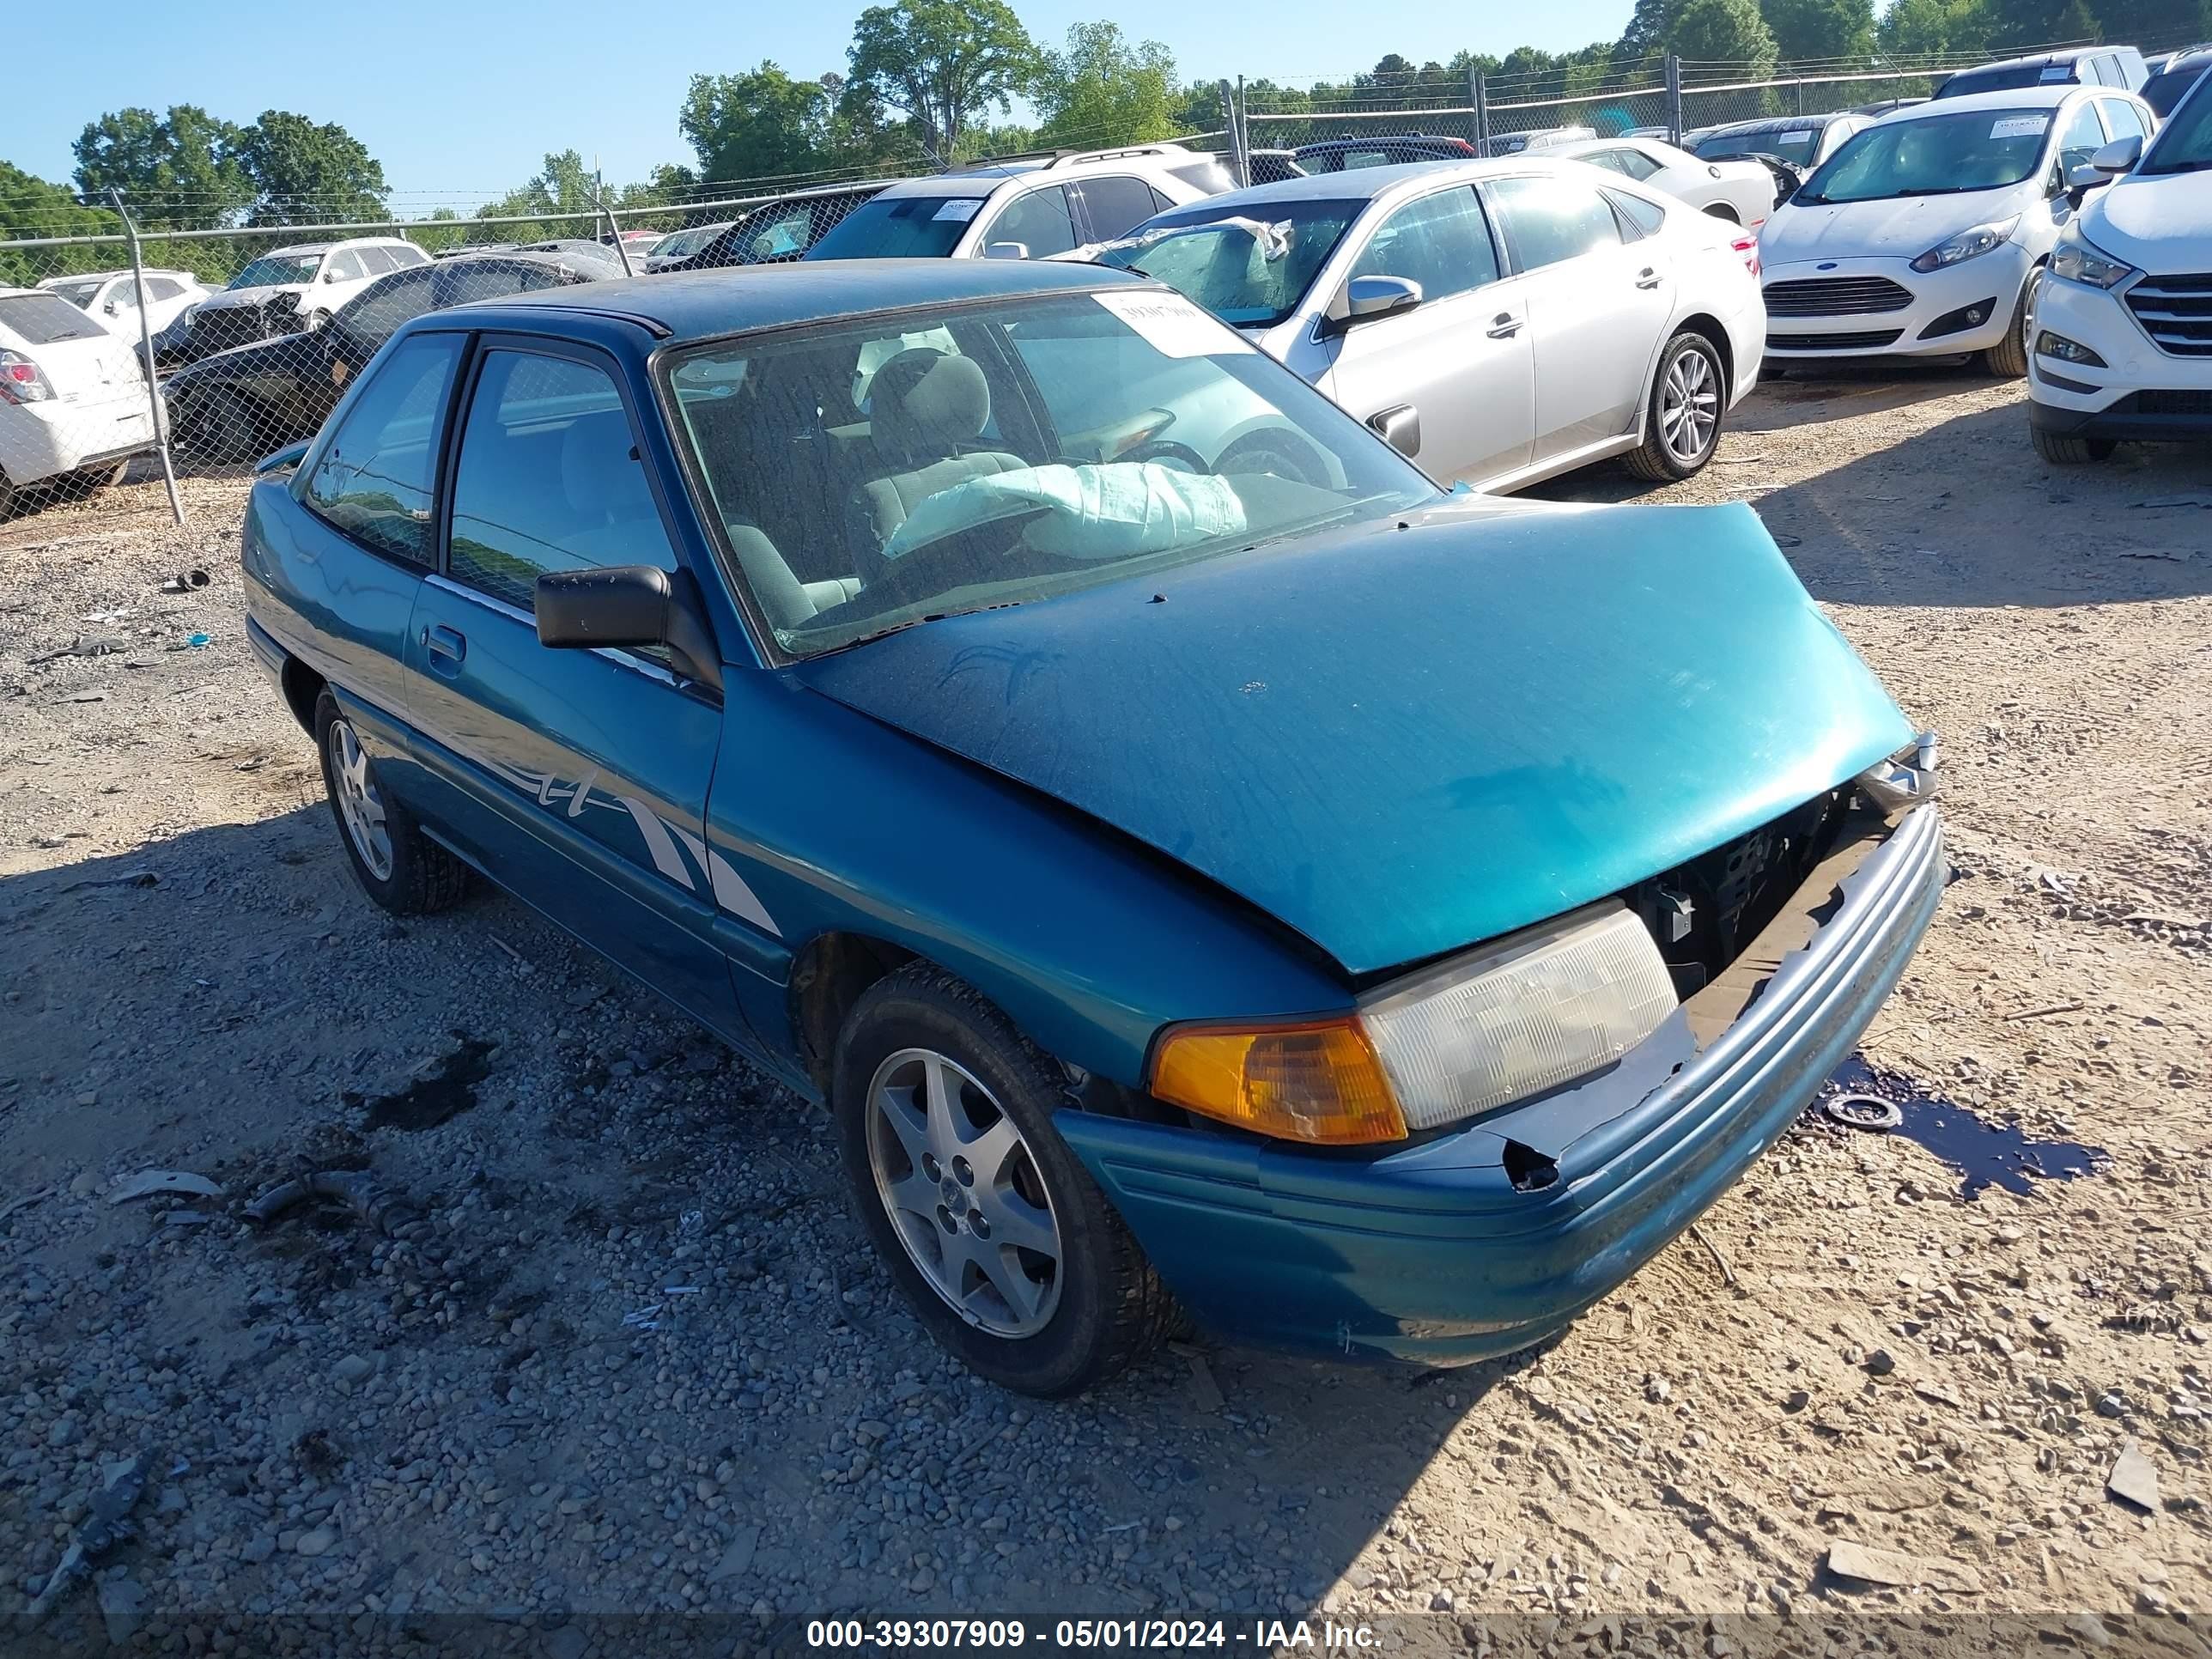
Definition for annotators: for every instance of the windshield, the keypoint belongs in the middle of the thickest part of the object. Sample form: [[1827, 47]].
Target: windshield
[[1795, 145], [1251, 271], [2163, 91], [678, 243], [2185, 143], [78, 294], [899, 228], [275, 269], [876, 474], [1932, 155]]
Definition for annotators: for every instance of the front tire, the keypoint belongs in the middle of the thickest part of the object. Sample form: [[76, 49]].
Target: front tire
[[2060, 449], [2007, 359], [397, 866], [1001, 1243], [1683, 411]]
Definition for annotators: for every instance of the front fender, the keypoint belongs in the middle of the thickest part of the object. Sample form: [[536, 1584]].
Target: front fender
[[1089, 941]]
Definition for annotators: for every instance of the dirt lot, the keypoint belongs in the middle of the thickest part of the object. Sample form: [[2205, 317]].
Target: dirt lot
[[463, 1408]]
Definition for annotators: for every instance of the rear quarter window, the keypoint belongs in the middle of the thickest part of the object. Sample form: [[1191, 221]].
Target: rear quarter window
[[45, 319]]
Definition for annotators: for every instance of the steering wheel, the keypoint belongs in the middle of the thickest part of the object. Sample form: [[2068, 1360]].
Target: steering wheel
[[1167, 452], [1274, 450]]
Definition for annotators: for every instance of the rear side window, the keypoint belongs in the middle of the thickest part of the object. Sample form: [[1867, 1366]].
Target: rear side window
[[1549, 221], [45, 319], [1115, 206], [548, 479], [1038, 220], [379, 472], [1639, 218]]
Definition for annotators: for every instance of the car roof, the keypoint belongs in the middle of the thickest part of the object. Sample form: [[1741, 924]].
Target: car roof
[[1967, 103], [1365, 184], [1778, 124], [700, 305]]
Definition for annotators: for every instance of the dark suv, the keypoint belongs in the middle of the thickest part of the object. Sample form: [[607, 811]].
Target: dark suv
[[243, 403]]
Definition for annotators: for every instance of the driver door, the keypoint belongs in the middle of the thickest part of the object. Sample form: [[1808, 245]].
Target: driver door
[[1461, 358]]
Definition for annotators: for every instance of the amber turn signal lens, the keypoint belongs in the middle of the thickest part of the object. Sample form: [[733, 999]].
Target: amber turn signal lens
[[1318, 1082]]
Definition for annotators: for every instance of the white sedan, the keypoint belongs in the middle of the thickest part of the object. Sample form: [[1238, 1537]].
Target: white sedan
[[73, 404], [111, 298], [1740, 191], [1500, 320]]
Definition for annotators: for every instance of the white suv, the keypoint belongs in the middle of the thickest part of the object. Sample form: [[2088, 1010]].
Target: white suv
[[289, 290], [1024, 207], [2120, 340]]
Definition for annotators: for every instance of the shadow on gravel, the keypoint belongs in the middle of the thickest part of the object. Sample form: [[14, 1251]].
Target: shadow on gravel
[[1886, 529], [225, 1001]]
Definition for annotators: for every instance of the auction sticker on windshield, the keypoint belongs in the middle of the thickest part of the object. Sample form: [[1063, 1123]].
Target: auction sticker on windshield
[[959, 209], [2018, 126], [1172, 325]]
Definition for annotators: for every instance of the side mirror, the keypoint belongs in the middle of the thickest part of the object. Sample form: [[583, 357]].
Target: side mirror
[[627, 605], [1400, 427], [109, 307], [1006, 251], [1366, 298], [330, 275], [2118, 157]]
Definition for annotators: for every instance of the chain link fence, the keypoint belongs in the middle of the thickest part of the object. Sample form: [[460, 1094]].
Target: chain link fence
[[144, 364]]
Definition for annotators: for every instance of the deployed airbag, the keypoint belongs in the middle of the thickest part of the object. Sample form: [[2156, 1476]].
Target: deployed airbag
[[1092, 512]]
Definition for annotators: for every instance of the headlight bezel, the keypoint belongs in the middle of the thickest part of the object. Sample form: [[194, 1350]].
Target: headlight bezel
[[1975, 242], [2078, 254], [1537, 1010]]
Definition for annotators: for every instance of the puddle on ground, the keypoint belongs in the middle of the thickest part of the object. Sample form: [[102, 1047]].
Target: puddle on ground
[[445, 1091], [1985, 1154]]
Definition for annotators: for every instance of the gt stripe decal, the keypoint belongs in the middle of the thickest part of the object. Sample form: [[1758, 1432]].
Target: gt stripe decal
[[731, 892], [666, 857]]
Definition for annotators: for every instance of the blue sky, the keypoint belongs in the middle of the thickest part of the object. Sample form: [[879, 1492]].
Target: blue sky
[[460, 101]]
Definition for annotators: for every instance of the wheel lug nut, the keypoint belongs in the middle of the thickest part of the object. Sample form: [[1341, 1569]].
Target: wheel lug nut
[[980, 1227], [960, 1169]]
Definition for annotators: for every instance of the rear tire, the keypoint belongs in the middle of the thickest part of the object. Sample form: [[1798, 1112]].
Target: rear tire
[[929, 1072], [2007, 359], [1683, 411], [397, 866], [2061, 449], [7, 495]]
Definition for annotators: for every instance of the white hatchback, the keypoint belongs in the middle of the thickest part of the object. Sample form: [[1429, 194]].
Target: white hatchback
[[1926, 233], [1499, 320], [111, 298], [73, 404]]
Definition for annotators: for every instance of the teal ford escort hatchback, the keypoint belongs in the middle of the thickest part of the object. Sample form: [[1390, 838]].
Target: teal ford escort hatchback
[[1201, 866]]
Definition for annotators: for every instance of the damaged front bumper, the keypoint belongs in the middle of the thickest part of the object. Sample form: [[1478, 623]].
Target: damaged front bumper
[[1484, 1240]]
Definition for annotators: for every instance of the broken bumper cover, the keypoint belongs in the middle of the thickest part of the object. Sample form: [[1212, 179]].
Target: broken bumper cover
[[1432, 1252]]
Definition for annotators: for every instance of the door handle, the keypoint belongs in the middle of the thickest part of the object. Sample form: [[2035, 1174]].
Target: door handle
[[444, 647], [1648, 277], [1504, 326]]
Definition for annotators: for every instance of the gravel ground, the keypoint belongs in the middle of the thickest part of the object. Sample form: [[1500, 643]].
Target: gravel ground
[[603, 1337]]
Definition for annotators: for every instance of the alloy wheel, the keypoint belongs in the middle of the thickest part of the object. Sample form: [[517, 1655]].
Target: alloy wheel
[[1689, 406], [360, 806], [964, 1193]]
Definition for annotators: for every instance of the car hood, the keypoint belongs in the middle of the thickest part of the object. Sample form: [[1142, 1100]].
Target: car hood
[[1401, 741], [230, 299], [1903, 229], [2154, 222], [297, 356]]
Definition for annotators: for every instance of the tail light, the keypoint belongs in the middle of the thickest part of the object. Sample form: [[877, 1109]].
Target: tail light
[[1746, 248], [20, 381]]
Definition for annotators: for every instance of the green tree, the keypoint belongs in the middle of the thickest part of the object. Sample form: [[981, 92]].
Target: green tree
[[305, 173], [760, 124], [30, 206], [1911, 27], [939, 64], [1100, 90], [1808, 30], [177, 171], [1730, 32], [559, 201]]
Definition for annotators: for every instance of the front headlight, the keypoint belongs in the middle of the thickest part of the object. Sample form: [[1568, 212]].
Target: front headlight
[[2078, 262], [1532, 1013], [1968, 245]]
